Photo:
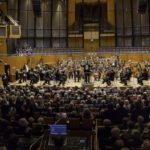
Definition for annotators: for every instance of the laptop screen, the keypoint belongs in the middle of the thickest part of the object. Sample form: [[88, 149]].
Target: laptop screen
[[58, 129]]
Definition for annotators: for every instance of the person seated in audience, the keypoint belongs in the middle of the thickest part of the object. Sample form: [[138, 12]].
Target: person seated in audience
[[136, 110], [87, 114], [119, 144], [5, 106], [146, 132], [121, 113], [115, 136], [63, 115], [128, 132], [50, 113], [38, 129], [31, 121], [124, 125], [146, 145], [109, 113], [135, 140], [23, 126], [146, 110], [104, 133], [140, 123]]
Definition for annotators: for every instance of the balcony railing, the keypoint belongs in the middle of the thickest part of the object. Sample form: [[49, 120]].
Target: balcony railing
[[124, 50], [57, 51]]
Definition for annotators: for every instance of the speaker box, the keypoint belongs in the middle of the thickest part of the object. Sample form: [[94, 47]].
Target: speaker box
[[142, 6], [36, 7]]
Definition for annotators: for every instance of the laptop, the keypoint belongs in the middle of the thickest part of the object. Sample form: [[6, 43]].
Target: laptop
[[58, 131]]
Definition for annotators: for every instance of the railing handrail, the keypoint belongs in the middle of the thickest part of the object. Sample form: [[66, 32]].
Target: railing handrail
[[101, 50]]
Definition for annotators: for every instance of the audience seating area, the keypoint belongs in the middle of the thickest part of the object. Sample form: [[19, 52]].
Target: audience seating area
[[114, 118]]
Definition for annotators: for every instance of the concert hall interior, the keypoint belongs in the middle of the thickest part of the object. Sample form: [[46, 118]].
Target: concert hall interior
[[75, 74]]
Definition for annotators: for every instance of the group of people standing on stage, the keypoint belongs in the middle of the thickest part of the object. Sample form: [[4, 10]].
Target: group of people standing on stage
[[104, 69]]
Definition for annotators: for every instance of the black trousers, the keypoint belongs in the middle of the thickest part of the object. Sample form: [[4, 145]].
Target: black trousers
[[5, 84], [87, 77]]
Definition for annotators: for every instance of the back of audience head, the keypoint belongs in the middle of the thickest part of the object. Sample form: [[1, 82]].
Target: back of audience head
[[130, 124], [135, 134], [107, 122], [140, 119], [40, 120], [119, 144], [23, 122], [115, 132]]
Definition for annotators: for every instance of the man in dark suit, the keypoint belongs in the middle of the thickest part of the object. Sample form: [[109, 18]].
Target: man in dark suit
[[20, 75], [5, 80], [87, 72]]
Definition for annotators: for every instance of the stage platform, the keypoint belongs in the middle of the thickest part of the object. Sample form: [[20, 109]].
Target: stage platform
[[71, 83]]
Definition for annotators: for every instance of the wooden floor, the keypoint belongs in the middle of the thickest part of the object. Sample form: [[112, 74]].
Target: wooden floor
[[71, 83]]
